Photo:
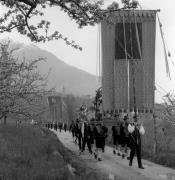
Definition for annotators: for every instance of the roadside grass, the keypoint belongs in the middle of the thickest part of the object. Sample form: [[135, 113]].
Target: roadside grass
[[163, 157], [83, 172], [165, 154], [25, 153], [34, 153]]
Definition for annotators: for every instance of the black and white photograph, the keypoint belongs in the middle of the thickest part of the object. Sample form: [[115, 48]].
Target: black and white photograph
[[87, 90]]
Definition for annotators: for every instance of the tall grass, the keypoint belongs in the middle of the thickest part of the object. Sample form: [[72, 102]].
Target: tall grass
[[25, 153], [28, 153], [165, 154]]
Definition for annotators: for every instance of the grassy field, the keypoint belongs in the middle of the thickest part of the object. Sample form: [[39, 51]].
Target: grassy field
[[34, 153], [165, 143], [166, 158]]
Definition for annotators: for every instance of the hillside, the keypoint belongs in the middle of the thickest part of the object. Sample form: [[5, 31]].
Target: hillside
[[61, 75]]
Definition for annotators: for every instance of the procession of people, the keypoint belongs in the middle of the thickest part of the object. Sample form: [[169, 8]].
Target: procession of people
[[126, 137]]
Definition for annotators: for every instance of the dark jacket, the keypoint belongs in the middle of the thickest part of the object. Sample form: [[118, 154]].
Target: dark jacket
[[87, 131], [135, 137], [78, 132], [100, 136], [115, 132]]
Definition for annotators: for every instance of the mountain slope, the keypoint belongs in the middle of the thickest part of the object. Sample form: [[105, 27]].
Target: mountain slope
[[74, 80]]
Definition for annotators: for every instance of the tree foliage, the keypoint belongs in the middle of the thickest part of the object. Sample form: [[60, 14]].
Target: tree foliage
[[19, 15], [98, 102], [164, 124], [22, 88], [169, 108]]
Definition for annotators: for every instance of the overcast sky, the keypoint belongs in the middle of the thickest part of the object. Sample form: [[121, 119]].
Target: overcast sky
[[87, 38]]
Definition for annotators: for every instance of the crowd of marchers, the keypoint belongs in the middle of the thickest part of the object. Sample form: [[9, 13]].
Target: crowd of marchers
[[126, 136], [56, 126]]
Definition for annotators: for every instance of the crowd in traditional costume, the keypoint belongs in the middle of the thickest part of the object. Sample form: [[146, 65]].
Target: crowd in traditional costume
[[126, 136], [100, 135], [56, 126]]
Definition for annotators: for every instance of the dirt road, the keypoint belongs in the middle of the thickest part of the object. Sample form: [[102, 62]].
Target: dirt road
[[118, 168]]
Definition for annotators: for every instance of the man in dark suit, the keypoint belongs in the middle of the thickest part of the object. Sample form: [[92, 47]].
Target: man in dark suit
[[60, 125], [72, 130], [86, 136], [125, 137], [78, 133], [136, 131], [55, 126], [100, 134], [116, 139]]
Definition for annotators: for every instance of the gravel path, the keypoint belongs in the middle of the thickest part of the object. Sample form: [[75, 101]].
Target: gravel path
[[116, 167]]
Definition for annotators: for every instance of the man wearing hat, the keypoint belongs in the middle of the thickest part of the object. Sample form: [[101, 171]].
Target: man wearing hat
[[100, 133], [116, 138], [125, 137], [92, 137], [136, 130], [86, 136], [78, 133], [55, 126], [72, 130]]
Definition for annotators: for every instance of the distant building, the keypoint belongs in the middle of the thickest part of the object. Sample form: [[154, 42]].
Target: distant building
[[57, 108]]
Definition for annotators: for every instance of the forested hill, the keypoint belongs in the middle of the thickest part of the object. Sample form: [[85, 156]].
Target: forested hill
[[74, 80]]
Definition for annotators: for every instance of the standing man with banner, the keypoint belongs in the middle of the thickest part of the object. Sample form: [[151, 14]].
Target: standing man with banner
[[136, 130]]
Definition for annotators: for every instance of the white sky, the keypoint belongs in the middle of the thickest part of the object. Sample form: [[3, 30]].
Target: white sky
[[87, 38]]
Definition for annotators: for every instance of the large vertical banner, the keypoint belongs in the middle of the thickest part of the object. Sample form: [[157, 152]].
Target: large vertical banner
[[55, 107], [128, 60], [108, 56]]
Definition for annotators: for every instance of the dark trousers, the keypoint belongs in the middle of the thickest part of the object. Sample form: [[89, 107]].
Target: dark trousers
[[88, 141], [136, 149], [73, 134], [55, 127], [79, 142]]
